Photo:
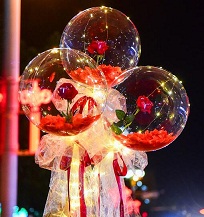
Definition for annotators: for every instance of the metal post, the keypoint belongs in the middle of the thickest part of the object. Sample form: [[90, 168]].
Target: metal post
[[9, 114]]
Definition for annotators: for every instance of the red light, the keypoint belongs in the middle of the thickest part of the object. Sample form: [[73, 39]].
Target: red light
[[144, 214]]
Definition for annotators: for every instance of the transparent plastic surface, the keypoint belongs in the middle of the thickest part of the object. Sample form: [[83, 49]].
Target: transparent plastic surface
[[108, 36], [53, 101], [155, 110]]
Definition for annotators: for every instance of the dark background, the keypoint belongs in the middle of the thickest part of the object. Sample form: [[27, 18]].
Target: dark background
[[171, 33]]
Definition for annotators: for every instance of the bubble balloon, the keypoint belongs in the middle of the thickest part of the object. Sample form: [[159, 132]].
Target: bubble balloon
[[56, 103], [154, 112], [108, 36]]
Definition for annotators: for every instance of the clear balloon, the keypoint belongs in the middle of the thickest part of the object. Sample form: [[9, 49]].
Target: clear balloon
[[53, 101], [108, 36], [155, 110]]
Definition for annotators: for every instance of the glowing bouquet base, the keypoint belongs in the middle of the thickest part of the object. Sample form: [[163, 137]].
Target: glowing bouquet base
[[87, 183]]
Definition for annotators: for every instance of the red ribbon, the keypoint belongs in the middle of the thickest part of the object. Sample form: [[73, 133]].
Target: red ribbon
[[119, 172], [80, 104], [65, 164], [85, 160]]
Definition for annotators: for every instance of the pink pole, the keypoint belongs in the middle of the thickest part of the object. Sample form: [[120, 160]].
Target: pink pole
[[9, 114]]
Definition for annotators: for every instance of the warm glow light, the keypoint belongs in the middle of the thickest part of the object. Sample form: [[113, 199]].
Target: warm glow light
[[139, 173], [54, 50], [135, 178], [202, 211], [110, 155], [129, 174], [74, 179]]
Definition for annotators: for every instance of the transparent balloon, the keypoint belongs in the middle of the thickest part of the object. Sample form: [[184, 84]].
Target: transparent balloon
[[108, 36], [153, 110], [56, 103]]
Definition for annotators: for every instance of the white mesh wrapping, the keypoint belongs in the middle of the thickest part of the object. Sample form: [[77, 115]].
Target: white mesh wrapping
[[101, 190]]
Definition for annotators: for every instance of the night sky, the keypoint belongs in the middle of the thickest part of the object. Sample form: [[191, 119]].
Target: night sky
[[171, 33]]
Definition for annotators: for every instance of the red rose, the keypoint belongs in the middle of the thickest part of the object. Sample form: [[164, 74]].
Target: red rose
[[98, 47], [67, 91], [144, 104]]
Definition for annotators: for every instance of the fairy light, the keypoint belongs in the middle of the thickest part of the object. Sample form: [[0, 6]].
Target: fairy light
[[170, 92], [158, 114], [54, 50], [44, 113], [131, 61], [171, 116], [162, 84], [30, 70], [74, 179], [175, 78]]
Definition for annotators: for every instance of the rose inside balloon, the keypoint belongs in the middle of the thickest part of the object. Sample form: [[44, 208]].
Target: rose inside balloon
[[141, 141], [67, 91], [72, 121], [143, 104], [97, 47]]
